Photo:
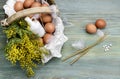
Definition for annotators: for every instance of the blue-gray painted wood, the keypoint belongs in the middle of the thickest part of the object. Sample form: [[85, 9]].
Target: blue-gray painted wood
[[96, 64]]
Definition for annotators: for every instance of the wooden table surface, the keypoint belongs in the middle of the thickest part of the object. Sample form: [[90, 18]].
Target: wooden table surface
[[96, 64]]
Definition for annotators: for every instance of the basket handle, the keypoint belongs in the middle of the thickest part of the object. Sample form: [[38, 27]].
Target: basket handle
[[24, 13]]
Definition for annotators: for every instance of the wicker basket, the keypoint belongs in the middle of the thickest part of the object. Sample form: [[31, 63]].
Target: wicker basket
[[55, 44], [59, 38]]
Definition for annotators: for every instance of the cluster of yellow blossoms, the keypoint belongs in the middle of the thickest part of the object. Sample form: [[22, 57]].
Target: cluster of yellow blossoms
[[23, 46]]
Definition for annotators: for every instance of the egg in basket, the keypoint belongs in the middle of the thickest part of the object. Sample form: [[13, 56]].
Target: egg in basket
[[34, 31]]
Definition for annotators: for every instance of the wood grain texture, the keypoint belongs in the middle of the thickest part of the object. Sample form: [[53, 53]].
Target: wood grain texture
[[96, 64]]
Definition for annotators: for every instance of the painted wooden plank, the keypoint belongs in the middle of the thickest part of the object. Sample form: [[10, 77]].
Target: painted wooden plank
[[97, 64]]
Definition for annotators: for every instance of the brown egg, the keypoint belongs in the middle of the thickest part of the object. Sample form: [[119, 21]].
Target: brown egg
[[28, 3], [18, 6], [91, 28], [45, 14], [46, 18], [47, 38], [49, 27], [36, 4], [100, 23]]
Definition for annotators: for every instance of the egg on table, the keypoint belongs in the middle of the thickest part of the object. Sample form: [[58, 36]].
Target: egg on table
[[100, 23], [91, 28]]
